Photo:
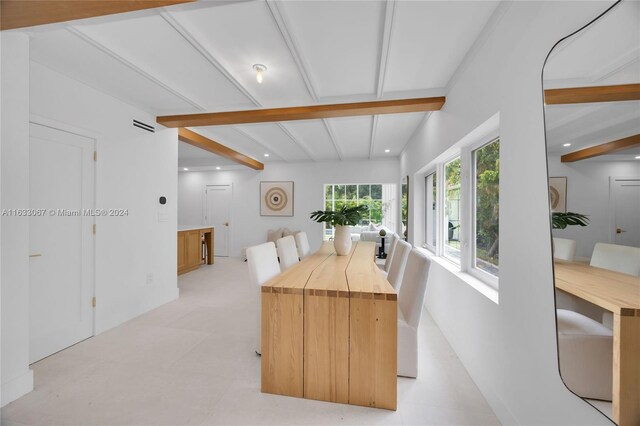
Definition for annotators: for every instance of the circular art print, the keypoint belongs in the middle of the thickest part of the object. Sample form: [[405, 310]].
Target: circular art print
[[276, 198]]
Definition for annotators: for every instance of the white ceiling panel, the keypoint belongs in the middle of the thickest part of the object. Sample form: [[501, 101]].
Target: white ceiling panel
[[313, 135], [244, 34], [191, 156], [229, 136], [154, 46], [272, 136], [429, 40], [393, 131], [612, 44], [66, 53], [339, 41], [353, 135]]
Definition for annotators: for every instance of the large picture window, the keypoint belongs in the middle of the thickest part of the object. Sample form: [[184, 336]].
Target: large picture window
[[380, 198]]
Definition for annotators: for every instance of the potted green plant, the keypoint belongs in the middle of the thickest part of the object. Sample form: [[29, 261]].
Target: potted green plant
[[342, 220], [562, 220]]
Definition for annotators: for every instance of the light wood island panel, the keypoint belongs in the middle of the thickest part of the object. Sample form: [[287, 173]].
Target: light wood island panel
[[190, 248], [620, 294]]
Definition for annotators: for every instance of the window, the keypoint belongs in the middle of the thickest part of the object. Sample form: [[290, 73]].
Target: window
[[486, 187], [452, 222], [431, 217], [380, 198], [462, 206]]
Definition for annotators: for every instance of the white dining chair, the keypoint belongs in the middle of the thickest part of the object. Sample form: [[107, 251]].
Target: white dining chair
[[393, 241], [398, 263], [564, 249], [624, 259], [287, 252], [263, 265], [410, 304], [585, 350], [302, 242], [618, 258]]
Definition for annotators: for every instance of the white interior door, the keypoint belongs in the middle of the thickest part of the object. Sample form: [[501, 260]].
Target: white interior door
[[61, 287], [217, 214], [626, 203]]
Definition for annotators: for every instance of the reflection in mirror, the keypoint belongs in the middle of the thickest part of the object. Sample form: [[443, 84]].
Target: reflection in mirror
[[592, 116], [405, 208]]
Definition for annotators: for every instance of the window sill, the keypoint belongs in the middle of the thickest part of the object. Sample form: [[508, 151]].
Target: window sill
[[482, 287]]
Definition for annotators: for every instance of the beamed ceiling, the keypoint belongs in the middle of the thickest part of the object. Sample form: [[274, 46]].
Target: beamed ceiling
[[198, 57]]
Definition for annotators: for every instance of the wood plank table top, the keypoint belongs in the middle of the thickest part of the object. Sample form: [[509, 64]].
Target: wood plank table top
[[614, 291]]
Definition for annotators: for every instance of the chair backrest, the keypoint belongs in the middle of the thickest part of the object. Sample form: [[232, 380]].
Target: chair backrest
[[393, 240], [263, 263], [302, 242], [564, 248], [398, 263], [414, 287], [617, 258], [287, 252]]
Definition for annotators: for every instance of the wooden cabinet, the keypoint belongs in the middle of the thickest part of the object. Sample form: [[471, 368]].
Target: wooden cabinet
[[190, 253]]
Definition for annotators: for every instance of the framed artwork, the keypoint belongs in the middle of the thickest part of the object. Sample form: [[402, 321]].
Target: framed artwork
[[558, 194], [276, 198]]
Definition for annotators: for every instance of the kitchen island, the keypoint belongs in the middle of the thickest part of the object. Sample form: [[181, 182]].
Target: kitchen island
[[195, 247]]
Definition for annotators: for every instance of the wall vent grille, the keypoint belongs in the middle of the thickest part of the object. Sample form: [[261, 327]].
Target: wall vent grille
[[144, 126]]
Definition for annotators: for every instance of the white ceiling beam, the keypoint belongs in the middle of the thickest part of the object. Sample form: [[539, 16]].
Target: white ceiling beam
[[374, 126], [613, 122], [385, 42], [83, 36], [296, 141], [333, 138], [223, 69], [289, 40]]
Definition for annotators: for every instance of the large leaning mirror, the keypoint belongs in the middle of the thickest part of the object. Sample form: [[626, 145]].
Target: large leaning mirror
[[591, 82]]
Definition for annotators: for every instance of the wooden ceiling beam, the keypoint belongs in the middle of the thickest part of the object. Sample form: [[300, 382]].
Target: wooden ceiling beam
[[581, 95], [303, 112], [605, 148], [28, 13], [197, 140]]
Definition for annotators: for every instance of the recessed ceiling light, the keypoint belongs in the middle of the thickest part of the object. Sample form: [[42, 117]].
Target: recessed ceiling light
[[566, 144], [266, 155], [637, 157], [260, 69], [185, 169], [218, 168], [387, 150]]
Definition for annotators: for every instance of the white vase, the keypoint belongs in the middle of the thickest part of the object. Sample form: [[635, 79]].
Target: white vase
[[342, 240]]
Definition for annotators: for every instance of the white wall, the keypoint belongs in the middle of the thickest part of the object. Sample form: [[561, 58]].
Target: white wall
[[133, 170], [247, 226], [588, 193], [508, 348], [17, 379]]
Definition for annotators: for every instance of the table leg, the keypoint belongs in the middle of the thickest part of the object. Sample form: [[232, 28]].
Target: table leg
[[626, 370]]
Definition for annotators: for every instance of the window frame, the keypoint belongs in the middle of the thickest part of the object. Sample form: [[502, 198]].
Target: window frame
[[471, 267], [465, 150], [427, 236]]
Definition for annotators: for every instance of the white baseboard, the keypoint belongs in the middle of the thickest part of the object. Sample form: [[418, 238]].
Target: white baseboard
[[17, 387]]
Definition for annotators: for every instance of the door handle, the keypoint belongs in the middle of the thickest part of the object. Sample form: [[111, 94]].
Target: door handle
[[35, 255], [620, 230]]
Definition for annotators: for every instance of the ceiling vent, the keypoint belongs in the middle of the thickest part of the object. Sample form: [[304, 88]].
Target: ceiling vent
[[144, 126]]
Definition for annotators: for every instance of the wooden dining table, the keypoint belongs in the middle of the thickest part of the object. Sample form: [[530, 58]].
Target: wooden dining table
[[620, 294], [329, 330]]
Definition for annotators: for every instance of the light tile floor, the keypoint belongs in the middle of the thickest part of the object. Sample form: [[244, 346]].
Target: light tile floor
[[191, 362]]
